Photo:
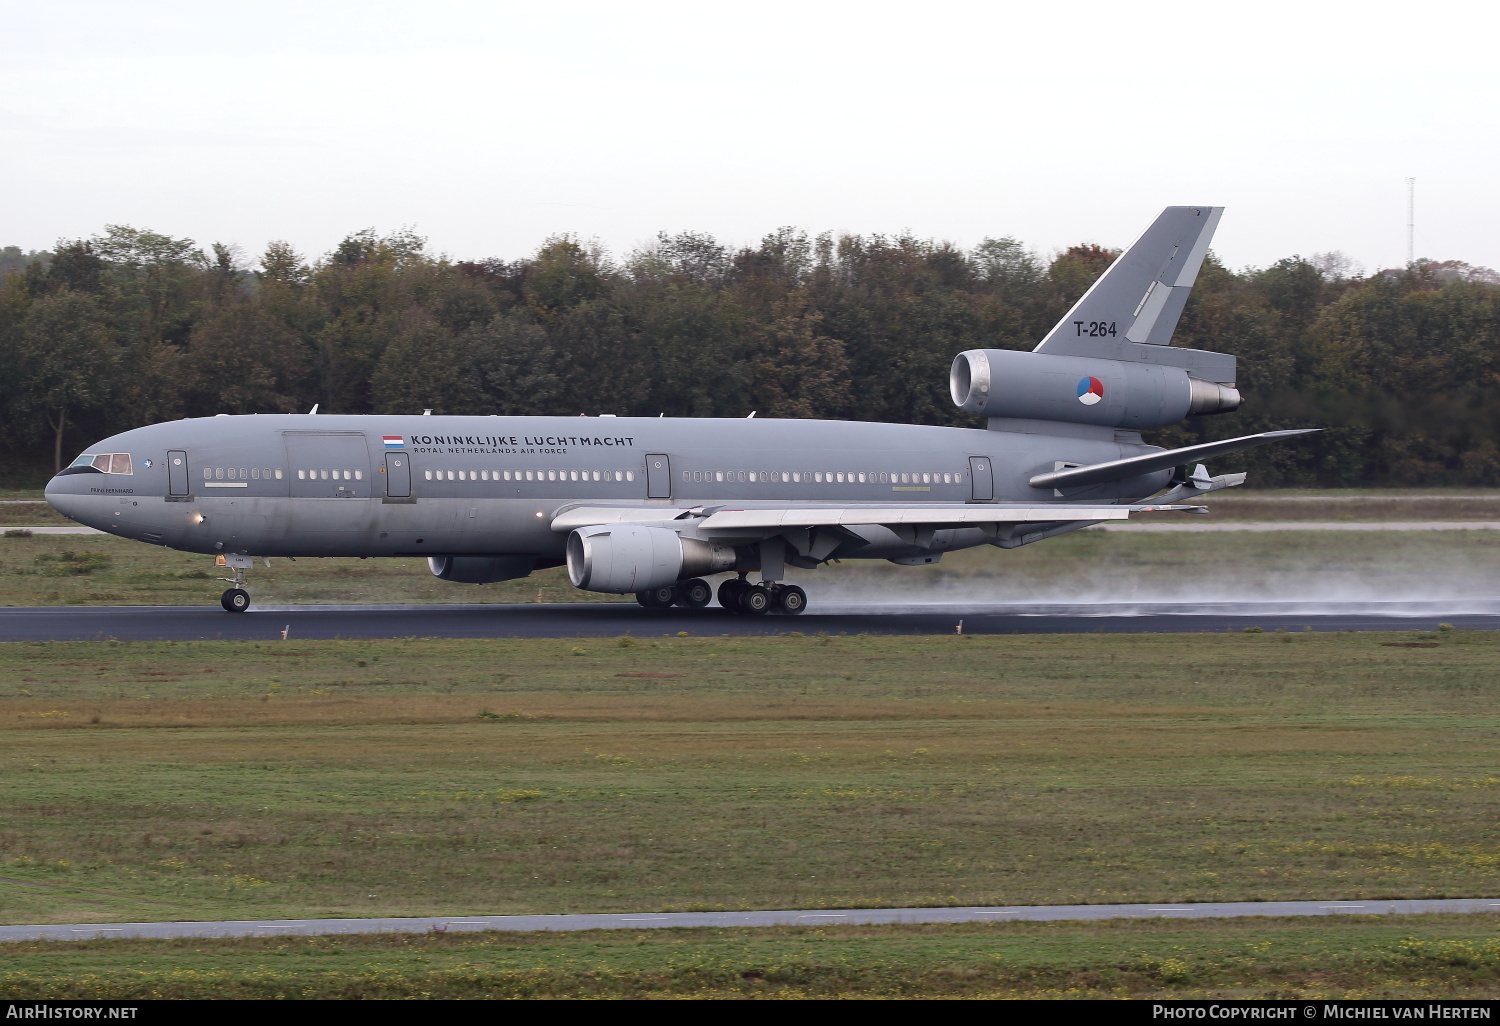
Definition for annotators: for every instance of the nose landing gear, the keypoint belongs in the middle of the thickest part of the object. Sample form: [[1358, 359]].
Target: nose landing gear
[[235, 599]]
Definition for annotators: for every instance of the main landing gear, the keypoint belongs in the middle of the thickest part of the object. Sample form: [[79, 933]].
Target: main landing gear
[[692, 594], [736, 595], [740, 596], [235, 599]]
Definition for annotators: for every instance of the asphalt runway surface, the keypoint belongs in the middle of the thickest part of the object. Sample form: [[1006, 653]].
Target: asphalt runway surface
[[1154, 526], [611, 619], [785, 917]]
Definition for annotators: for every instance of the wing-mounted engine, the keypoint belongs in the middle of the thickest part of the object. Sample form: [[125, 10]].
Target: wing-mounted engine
[[481, 569], [626, 558]]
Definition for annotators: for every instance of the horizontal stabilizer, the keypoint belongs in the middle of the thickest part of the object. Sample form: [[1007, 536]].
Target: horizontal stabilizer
[[1119, 470]]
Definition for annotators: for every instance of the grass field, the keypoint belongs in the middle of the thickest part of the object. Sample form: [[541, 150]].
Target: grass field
[[207, 780], [434, 777], [1364, 957]]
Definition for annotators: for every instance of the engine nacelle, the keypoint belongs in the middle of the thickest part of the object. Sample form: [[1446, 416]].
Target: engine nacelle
[[480, 569], [1081, 390], [625, 558]]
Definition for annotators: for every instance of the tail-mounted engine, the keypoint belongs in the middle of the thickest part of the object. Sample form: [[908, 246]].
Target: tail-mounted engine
[[1082, 390]]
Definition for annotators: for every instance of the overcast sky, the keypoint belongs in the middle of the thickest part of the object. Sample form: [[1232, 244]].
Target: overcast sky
[[489, 126]]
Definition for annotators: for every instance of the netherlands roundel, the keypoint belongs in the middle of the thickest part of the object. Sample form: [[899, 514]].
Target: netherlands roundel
[[1090, 391]]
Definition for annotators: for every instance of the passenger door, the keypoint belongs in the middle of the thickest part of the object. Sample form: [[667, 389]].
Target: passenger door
[[982, 476], [397, 475], [658, 476], [177, 472]]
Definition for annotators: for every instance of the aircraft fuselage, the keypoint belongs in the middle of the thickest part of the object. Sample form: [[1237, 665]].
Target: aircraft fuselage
[[305, 485]]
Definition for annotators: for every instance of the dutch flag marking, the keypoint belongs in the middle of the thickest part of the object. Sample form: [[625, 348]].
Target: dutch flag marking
[[394, 441]]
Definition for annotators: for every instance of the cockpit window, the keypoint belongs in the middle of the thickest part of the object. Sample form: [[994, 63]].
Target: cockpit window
[[107, 463]]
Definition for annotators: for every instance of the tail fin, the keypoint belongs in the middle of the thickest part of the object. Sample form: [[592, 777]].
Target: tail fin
[[1141, 296]]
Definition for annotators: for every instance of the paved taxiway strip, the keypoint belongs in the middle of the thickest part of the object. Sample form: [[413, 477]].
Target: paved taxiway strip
[[600, 619], [784, 917], [1189, 526]]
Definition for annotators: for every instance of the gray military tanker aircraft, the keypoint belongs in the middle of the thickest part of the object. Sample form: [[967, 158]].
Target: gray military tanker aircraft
[[653, 506]]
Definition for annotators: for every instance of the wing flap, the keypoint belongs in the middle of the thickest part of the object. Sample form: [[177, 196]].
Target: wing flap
[[897, 516]]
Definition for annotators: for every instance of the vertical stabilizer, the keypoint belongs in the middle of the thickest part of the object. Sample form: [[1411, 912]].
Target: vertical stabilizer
[[1141, 296]]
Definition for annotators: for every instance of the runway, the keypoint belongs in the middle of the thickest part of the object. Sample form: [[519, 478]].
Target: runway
[[784, 917], [1150, 526], [611, 619]]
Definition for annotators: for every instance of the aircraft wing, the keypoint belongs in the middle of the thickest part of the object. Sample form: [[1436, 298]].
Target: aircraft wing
[[1118, 470], [722, 519]]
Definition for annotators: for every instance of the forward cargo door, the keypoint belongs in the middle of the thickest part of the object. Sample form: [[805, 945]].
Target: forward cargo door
[[328, 464]]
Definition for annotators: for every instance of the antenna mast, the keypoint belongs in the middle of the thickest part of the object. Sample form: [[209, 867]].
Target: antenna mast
[[1411, 221]]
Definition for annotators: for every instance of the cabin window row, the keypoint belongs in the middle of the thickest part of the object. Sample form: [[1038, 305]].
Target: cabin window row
[[329, 475], [823, 476], [241, 474], [528, 475]]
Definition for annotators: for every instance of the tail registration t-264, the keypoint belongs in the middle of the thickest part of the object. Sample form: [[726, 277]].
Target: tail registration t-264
[[1095, 329]]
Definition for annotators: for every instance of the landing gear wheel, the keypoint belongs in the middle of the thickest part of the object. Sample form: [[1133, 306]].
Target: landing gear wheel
[[658, 598], [694, 594], [729, 594], [235, 600], [790, 600], [755, 599]]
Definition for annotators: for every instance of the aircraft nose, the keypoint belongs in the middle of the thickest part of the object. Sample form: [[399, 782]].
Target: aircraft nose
[[63, 498]]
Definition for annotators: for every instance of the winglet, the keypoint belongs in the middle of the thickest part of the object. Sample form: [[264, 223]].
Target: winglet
[[1140, 297]]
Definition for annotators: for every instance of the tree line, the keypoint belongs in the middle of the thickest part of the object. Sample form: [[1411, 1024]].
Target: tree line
[[131, 327]]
